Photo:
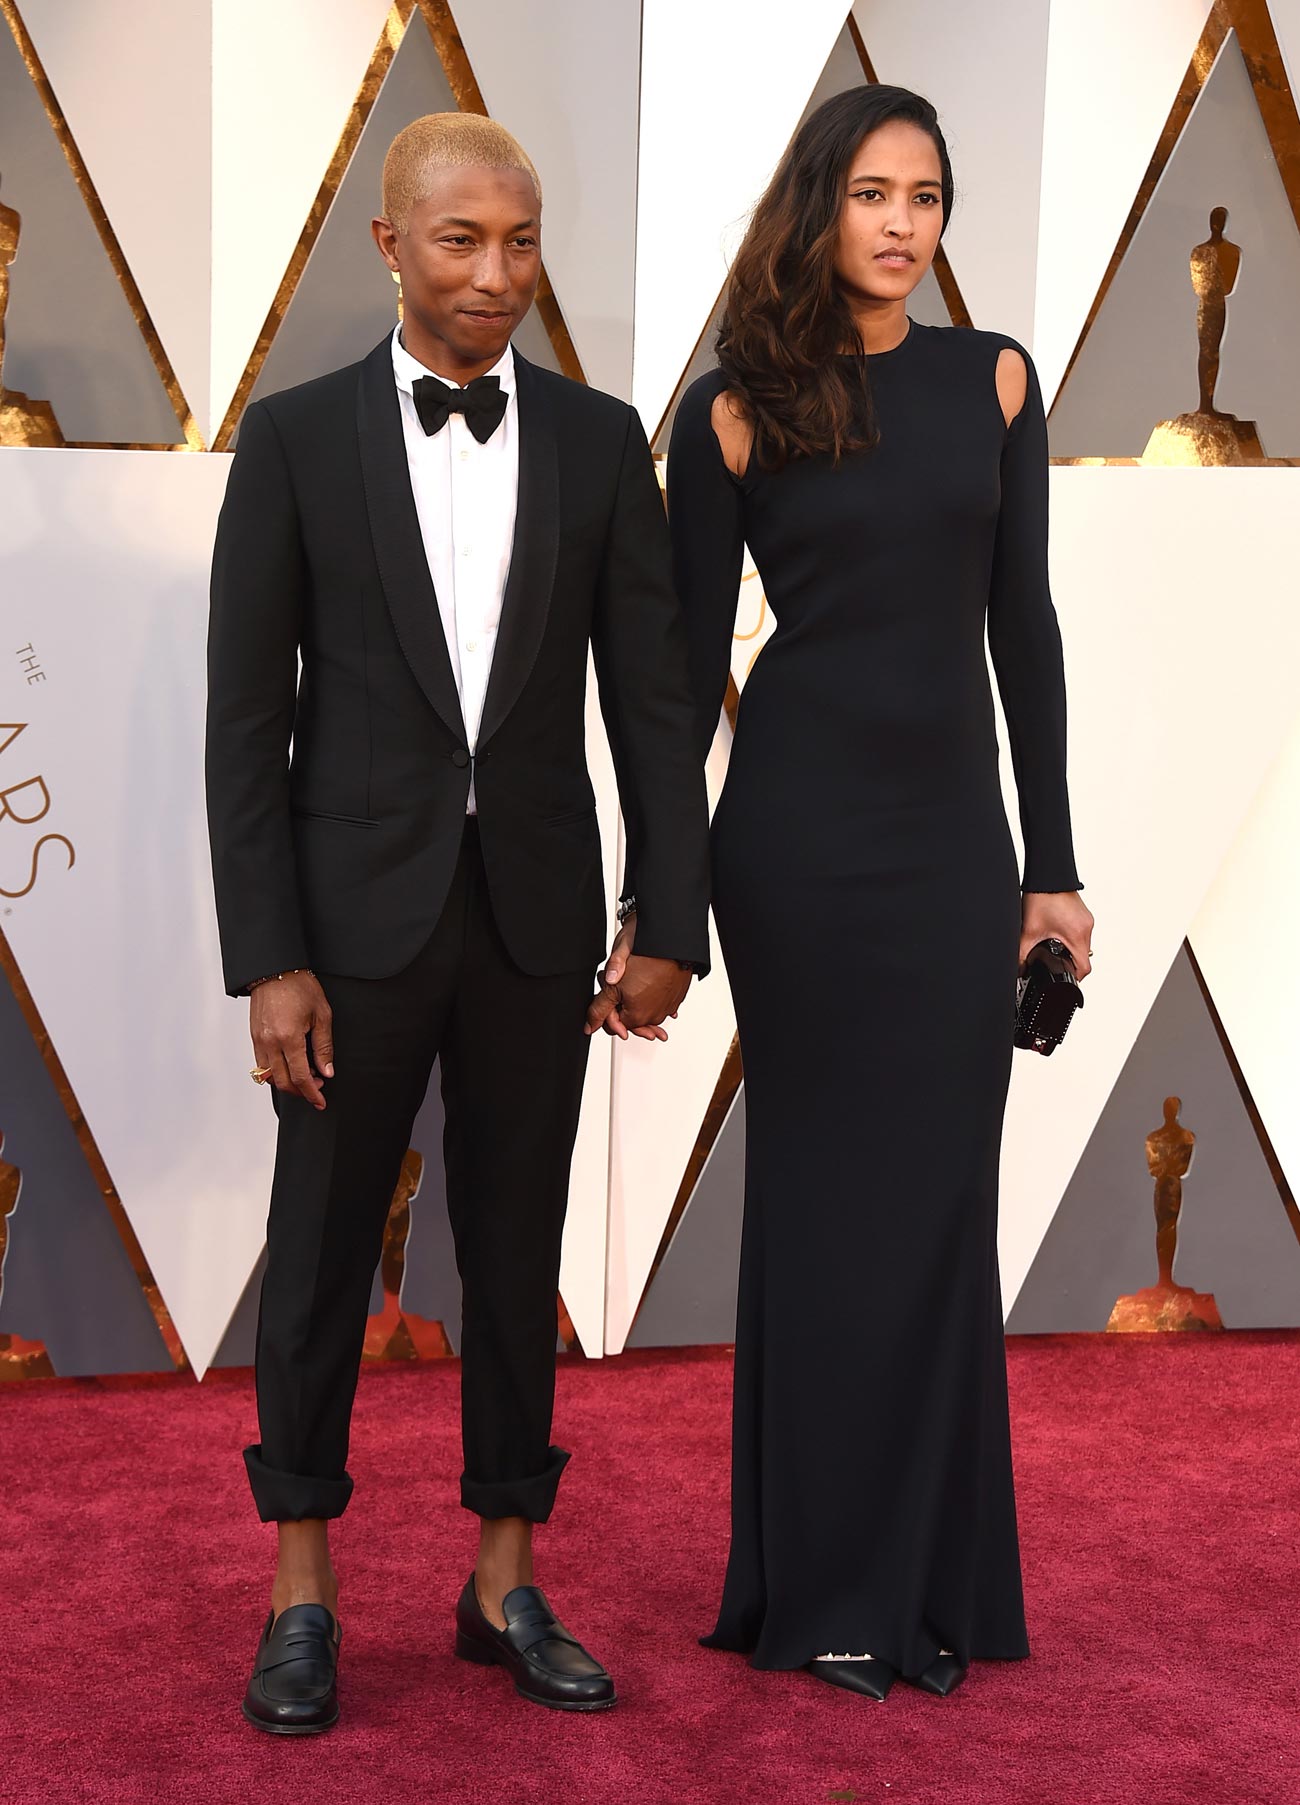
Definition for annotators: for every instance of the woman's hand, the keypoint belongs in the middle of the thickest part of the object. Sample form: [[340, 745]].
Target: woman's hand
[[1062, 914], [633, 988]]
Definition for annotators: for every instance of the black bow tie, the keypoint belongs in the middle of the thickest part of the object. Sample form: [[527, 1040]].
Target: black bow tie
[[483, 403]]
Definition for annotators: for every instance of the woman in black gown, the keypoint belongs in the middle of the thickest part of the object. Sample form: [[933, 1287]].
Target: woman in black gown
[[890, 479]]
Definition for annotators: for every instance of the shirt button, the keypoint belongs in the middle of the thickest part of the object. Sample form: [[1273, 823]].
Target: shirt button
[[463, 456], [471, 645], [464, 551]]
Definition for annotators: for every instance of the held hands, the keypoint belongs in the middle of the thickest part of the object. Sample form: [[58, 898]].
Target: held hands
[[282, 1013], [636, 993], [1061, 913]]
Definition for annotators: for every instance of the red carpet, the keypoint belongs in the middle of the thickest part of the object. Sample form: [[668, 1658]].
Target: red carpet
[[1158, 1489]]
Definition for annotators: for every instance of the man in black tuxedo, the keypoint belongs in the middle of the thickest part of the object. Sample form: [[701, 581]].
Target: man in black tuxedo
[[413, 557]]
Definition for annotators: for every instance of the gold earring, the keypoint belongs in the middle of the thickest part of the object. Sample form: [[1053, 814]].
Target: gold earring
[[396, 274]]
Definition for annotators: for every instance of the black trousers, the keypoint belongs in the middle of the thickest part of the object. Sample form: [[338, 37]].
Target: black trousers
[[514, 1056]]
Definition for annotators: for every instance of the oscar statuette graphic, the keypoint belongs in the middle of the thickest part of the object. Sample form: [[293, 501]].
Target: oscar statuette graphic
[[395, 1333], [392, 1333], [19, 1359], [1167, 1305], [1208, 436], [22, 420]]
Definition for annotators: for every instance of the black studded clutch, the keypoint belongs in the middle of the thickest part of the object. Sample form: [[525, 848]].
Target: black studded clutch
[[1047, 995]]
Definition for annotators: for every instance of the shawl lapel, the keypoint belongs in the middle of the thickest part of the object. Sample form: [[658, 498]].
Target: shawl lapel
[[399, 546], [527, 598]]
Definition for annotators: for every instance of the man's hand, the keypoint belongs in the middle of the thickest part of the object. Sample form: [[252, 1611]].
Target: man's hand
[[282, 1013], [636, 993]]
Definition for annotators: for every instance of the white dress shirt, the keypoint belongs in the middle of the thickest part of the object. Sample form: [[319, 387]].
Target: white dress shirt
[[466, 495]]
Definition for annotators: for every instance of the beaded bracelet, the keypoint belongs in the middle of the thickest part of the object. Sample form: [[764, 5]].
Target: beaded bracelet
[[273, 976]]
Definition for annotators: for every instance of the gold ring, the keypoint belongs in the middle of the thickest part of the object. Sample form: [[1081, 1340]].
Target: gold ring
[[260, 1074]]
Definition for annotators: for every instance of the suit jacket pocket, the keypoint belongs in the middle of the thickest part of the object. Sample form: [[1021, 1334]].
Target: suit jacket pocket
[[317, 814]]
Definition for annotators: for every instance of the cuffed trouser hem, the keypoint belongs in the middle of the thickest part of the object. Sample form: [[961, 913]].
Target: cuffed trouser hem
[[533, 1498], [290, 1497]]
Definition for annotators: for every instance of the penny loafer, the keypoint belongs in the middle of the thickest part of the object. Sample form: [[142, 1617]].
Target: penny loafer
[[944, 1674], [871, 1678], [549, 1666], [292, 1691]]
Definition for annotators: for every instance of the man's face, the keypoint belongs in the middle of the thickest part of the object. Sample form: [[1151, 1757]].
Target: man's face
[[469, 262]]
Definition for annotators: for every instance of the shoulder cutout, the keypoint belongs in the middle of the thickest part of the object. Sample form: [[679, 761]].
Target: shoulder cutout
[[734, 433], [1013, 382]]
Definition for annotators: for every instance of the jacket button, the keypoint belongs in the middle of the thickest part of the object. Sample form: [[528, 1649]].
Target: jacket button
[[460, 758]]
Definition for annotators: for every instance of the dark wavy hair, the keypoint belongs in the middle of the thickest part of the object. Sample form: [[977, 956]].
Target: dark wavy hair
[[787, 318]]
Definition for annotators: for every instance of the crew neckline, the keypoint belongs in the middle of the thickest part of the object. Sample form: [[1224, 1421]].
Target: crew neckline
[[874, 356]]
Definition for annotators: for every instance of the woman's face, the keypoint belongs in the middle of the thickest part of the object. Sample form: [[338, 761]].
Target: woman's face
[[892, 216]]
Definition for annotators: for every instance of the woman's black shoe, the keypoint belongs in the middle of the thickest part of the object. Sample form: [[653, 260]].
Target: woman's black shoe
[[292, 1691], [549, 1666], [944, 1674], [872, 1679]]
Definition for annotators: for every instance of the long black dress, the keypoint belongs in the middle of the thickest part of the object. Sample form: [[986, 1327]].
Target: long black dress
[[868, 905]]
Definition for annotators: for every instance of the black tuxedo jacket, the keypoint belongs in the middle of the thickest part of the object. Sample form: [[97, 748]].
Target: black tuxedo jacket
[[337, 760]]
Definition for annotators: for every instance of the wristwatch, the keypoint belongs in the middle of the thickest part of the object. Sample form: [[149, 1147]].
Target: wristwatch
[[626, 907]]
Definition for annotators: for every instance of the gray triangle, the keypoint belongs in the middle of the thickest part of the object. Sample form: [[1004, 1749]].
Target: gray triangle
[[71, 339], [346, 300], [1234, 1237], [692, 1299], [67, 1279], [239, 1343], [430, 1281], [843, 70], [1137, 365]]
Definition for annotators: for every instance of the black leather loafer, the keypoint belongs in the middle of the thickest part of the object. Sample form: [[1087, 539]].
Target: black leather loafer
[[549, 1666], [944, 1674], [292, 1691], [872, 1679]]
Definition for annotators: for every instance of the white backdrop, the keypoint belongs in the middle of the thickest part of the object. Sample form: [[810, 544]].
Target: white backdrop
[[655, 126]]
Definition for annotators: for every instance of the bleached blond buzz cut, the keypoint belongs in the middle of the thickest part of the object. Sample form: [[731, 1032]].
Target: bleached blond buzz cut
[[446, 141]]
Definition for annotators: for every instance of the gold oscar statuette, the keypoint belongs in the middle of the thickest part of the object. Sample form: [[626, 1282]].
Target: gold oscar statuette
[[1166, 1305], [1208, 436], [393, 1333], [22, 420], [19, 1359]]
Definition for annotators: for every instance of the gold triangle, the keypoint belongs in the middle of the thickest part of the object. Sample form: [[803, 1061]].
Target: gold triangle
[[1262, 55], [958, 312], [108, 238], [438, 19]]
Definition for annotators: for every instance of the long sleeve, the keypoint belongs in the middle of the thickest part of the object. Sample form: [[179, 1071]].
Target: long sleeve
[[1025, 644], [638, 643], [705, 520], [258, 586]]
